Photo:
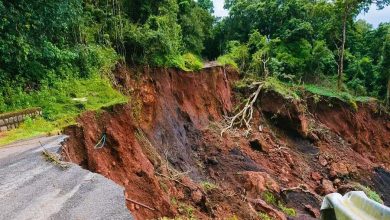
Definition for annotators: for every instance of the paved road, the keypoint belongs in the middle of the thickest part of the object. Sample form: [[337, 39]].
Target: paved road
[[32, 188]]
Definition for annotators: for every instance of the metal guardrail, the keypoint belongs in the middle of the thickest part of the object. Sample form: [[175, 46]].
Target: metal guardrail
[[352, 206]]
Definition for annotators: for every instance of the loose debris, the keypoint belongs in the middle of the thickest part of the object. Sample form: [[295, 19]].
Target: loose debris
[[245, 116], [54, 158]]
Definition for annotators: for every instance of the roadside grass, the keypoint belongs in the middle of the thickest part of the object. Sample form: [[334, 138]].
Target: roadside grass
[[61, 104], [286, 90], [333, 93], [295, 92]]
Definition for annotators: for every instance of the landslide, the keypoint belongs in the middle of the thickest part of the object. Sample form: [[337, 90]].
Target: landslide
[[165, 147]]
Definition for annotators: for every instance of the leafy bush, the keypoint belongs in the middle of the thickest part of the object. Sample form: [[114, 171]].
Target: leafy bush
[[269, 198], [226, 60], [187, 62], [264, 216], [287, 211], [287, 91]]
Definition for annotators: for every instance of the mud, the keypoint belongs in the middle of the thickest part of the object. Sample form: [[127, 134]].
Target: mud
[[165, 147]]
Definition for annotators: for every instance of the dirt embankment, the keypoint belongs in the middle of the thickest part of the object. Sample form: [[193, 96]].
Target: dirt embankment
[[165, 147]]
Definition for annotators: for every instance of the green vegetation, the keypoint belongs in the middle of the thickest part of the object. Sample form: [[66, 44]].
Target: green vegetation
[[61, 104], [264, 216], [303, 42], [188, 62], [287, 211], [269, 198], [58, 55], [186, 210], [369, 192], [208, 186], [283, 89]]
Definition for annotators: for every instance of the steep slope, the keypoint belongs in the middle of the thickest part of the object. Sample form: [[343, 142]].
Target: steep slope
[[165, 147]]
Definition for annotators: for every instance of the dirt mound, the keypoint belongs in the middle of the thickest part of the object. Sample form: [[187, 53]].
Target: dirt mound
[[165, 147]]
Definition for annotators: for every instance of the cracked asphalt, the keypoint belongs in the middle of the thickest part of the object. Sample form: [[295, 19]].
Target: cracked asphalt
[[33, 188]]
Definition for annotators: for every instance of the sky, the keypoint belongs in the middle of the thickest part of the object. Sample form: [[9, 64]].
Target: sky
[[373, 16]]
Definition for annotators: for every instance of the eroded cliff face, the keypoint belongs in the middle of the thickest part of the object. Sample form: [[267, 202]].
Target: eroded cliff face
[[165, 147]]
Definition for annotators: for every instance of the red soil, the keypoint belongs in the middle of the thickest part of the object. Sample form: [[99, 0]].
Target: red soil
[[175, 118]]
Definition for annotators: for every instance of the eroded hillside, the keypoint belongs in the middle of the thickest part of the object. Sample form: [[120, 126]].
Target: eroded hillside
[[165, 147]]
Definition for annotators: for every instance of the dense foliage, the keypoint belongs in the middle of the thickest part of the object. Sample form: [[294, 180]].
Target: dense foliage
[[304, 41], [44, 43]]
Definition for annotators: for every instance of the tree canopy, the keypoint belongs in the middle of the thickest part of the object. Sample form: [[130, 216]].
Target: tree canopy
[[298, 41]]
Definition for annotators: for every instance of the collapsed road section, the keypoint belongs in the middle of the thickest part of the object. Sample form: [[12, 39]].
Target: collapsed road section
[[33, 187]]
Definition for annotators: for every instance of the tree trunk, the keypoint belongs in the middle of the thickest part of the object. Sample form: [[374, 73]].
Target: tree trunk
[[388, 92], [342, 51]]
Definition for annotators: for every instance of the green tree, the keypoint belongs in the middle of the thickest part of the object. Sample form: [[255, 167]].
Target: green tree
[[346, 11], [385, 67], [207, 5]]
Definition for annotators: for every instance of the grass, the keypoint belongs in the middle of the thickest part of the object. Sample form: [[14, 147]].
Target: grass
[[226, 60], [61, 104], [187, 62], [264, 216], [208, 186], [283, 89], [187, 210], [333, 93], [293, 91], [286, 210], [269, 198], [369, 192]]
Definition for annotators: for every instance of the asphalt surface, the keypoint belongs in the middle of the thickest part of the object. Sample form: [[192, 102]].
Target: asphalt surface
[[33, 188]]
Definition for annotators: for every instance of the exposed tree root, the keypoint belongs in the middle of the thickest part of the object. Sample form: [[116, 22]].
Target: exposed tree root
[[245, 116]]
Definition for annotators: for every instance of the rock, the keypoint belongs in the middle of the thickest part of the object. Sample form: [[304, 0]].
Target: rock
[[352, 169], [261, 205], [316, 176], [338, 169], [312, 211], [212, 161], [322, 160], [336, 182], [328, 187], [289, 158], [196, 196], [256, 183]]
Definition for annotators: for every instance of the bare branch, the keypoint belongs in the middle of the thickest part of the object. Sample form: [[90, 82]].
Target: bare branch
[[245, 116]]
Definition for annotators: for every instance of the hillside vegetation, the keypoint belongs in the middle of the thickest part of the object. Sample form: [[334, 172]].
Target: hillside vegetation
[[55, 53]]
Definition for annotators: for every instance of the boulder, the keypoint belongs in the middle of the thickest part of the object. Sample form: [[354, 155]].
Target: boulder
[[256, 183], [328, 187], [316, 176], [338, 169]]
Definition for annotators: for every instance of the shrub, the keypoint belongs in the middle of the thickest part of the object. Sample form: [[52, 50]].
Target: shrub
[[207, 186], [269, 198], [287, 211], [187, 62], [226, 60], [264, 216]]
